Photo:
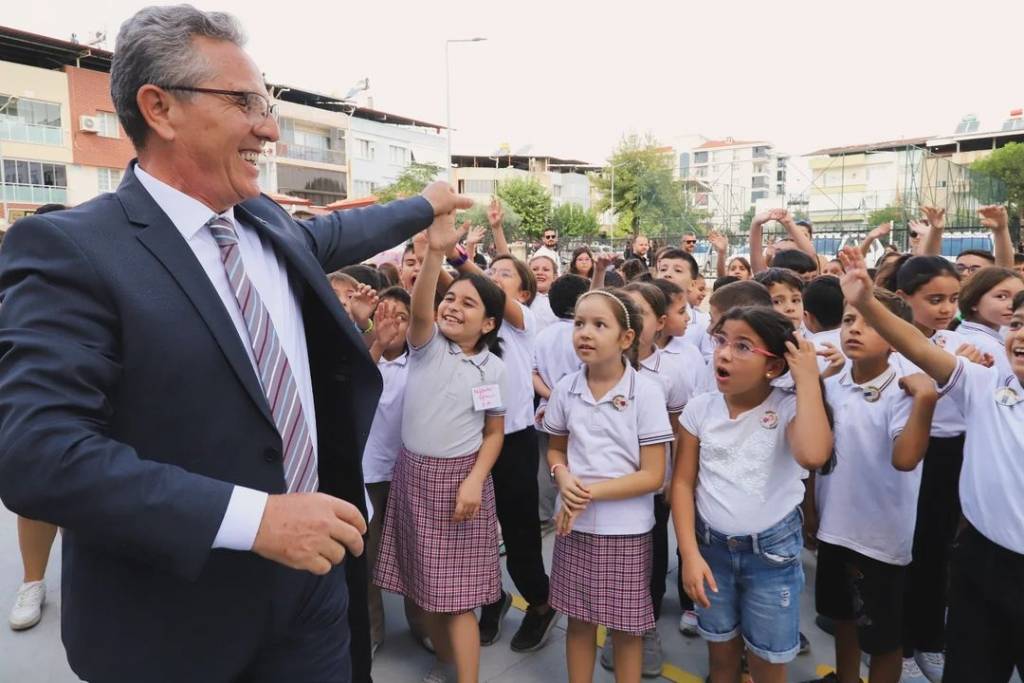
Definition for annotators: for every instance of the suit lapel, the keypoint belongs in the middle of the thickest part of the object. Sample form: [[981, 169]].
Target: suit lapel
[[301, 262], [164, 241]]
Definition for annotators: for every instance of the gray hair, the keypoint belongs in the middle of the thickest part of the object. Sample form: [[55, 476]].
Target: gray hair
[[154, 47]]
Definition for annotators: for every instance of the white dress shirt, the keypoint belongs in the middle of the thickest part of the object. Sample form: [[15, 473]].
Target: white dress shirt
[[266, 270]]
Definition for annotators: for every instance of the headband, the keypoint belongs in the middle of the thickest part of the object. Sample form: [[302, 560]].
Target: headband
[[605, 292]]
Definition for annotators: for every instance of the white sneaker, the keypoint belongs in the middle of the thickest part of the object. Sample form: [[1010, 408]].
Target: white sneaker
[[911, 672], [931, 664], [28, 605], [439, 673], [688, 624]]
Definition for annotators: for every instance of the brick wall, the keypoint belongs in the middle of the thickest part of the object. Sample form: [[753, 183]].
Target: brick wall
[[89, 94]]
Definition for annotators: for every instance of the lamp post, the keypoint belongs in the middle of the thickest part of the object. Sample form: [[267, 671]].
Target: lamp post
[[3, 173], [448, 97]]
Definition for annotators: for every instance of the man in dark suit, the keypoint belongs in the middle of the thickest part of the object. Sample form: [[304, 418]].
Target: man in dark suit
[[181, 392]]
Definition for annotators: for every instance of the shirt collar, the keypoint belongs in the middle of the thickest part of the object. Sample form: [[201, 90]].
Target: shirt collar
[[400, 360], [653, 361], [479, 359], [984, 329], [625, 387], [188, 214], [846, 378]]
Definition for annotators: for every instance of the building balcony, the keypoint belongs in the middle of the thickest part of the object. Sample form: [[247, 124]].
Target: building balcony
[[289, 150], [35, 194], [18, 131]]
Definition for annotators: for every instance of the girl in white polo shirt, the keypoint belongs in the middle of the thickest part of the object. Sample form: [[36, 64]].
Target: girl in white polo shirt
[[986, 305], [442, 496], [608, 428], [544, 272], [985, 632], [737, 489], [515, 473]]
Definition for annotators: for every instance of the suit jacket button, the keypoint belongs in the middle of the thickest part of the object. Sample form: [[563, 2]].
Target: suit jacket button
[[271, 455]]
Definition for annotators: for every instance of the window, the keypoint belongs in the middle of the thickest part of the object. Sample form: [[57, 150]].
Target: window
[[109, 179], [108, 124], [760, 194], [366, 150], [700, 157], [399, 155], [760, 152], [363, 188], [478, 187], [32, 121], [35, 182], [319, 187]]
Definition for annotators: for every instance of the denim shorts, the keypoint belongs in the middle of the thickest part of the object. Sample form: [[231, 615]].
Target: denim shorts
[[760, 578]]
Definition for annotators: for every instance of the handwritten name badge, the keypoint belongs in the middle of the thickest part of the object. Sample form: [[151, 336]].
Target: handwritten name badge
[[486, 397]]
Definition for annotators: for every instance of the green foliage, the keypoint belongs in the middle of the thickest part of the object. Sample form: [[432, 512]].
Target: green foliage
[[646, 197], [530, 200], [1007, 165], [746, 219], [410, 182], [477, 216], [884, 215], [572, 220]]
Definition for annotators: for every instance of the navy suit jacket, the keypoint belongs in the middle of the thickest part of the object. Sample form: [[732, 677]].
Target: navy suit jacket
[[129, 409]]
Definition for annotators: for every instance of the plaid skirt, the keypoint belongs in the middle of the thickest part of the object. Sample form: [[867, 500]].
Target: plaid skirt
[[604, 580], [444, 567]]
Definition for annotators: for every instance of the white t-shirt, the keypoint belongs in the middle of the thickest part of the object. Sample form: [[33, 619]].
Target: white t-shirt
[[517, 353], [439, 418], [988, 341], [604, 443], [699, 374], [697, 332], [992, 479], [833, 337], [748, 479], [385, 438], [949, 418], [554, 355], [865, 504], [541, 308]]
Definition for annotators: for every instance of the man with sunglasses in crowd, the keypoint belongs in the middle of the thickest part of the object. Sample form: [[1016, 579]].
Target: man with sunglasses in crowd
[[182, 393]]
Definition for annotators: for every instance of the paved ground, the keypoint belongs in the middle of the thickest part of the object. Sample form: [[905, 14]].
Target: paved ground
[[37, 656]]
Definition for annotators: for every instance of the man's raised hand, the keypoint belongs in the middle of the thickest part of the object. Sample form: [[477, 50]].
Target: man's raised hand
[[443, 199]]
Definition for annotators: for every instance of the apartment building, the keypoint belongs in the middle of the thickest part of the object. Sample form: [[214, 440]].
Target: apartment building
[[478, 176]]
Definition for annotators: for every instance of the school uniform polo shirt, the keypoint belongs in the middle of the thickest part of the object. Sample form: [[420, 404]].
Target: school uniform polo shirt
[[992, 479], [949, 418], [517, 354], [385, 439], [439, 418], [865, 504], [605, 437]]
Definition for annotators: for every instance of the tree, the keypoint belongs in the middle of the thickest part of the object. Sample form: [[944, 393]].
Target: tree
[[477, 216], [572, 220], [530, 200], [1007, 165], [747, 218], [410, 182], [645, 194], [884, 215]]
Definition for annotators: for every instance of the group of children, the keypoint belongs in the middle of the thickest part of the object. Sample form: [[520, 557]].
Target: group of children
[[802, 410]]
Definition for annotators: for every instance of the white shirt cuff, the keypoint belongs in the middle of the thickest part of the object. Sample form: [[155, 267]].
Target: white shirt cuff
[[241, 520]]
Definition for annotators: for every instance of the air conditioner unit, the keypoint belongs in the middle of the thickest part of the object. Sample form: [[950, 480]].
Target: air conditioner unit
[[89, 124]]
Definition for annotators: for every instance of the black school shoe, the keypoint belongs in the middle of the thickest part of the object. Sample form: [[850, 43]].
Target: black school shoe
[[534, 630], [491, 617], [805, 645]]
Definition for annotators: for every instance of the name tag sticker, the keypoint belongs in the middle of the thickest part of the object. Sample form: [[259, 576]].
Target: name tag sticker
[[486, 396]]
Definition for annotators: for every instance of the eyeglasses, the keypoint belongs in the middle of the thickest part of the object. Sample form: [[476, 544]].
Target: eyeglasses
[[964, 268], [740, 348], [256, 105], [550, 237]]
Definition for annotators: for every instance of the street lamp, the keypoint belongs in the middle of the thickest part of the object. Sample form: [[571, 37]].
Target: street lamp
[[448, 97], [3, 173]]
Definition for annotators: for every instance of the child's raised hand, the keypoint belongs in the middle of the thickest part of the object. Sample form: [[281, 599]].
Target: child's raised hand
[[803, 360], [975, 355], [362, 303], [575, 496], [696, 573], [602, 260], [718, 241], [856, 283], [881, 230], [475, 236], [936, 217], [495, 214], [994, 217], [419, 245], [442, 236], [385, 323], [468, 499]]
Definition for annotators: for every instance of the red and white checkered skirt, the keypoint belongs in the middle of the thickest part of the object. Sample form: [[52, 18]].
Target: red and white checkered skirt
[[442, 566], [604, 580]]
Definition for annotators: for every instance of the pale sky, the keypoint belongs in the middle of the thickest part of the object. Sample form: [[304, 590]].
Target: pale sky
[[568, 78]]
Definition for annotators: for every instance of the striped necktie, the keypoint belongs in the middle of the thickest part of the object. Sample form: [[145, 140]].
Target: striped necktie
[[300, 467]]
